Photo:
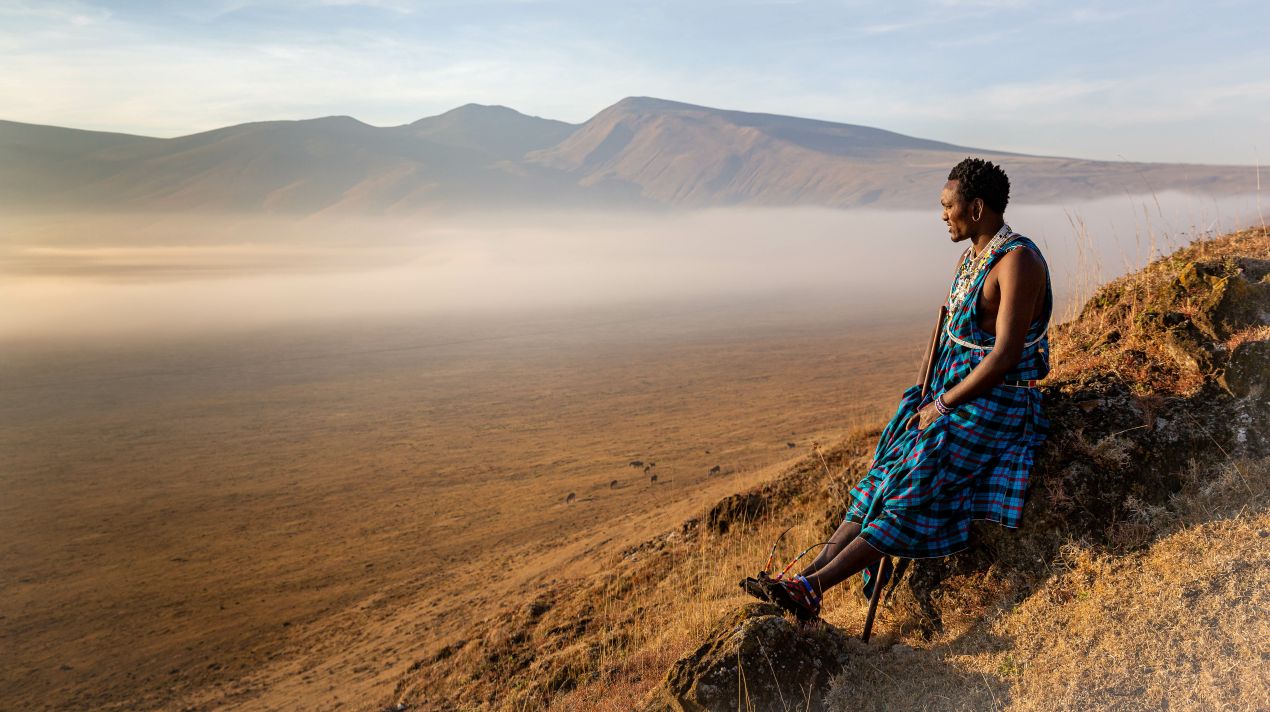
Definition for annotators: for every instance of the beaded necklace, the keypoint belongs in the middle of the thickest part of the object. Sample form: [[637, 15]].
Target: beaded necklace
[[972, 265]]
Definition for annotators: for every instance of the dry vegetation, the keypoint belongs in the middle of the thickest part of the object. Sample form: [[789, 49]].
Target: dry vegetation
[[1184, 619], [1182, 626], [1167, 326], [603, 643]]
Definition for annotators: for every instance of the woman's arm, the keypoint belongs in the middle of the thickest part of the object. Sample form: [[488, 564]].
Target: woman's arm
[[1021, 279]]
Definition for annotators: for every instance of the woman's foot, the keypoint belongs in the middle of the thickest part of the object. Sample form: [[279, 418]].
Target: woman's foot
[[797, 596], [759, 587]]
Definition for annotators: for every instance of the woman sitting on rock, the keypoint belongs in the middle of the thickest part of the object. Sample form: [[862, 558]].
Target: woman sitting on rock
[[961, 450]]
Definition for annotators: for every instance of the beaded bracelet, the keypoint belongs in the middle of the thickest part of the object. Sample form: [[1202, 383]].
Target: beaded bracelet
[[941, 406]]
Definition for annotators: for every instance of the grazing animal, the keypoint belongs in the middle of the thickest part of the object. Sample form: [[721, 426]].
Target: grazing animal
[[571, 496], [613, 484], [647, 468], [653, 479], [652, 464], [790, 445], [715, 470], [637, 463]]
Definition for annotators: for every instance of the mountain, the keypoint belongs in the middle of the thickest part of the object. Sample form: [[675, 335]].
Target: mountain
[[333, 163], [496, 131], [692, 155], [640, 152], [681, 154]]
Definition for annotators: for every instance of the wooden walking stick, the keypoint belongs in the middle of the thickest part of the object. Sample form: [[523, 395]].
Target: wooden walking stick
[[884, 564], [932, 351]]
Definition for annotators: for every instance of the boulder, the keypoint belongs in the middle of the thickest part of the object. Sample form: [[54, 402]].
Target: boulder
[[754, 658], [1248, 369]]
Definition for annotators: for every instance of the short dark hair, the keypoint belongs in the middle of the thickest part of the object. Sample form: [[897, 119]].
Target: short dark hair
[[977, 178]]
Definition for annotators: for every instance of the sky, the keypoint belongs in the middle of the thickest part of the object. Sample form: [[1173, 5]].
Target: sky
[[1141, 81]]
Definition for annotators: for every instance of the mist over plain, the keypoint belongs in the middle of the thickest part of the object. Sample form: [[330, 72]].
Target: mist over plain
[[138, 276]]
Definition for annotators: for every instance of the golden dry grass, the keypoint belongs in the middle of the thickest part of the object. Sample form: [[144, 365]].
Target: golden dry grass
[[605, 641], [1180, 625], [1183, 627], [1184, 620], [1131, 326], [694, 580]]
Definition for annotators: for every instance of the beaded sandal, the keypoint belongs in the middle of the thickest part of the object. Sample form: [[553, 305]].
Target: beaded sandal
[[797, 596]]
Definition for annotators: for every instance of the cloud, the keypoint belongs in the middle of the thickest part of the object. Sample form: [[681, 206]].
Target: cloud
[[165, 86], [77, 14], [1097, 15], [985, 4], [1019, 96], [402, 6]]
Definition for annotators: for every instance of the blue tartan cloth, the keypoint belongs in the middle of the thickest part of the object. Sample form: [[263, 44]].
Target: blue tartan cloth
[[924, 489]]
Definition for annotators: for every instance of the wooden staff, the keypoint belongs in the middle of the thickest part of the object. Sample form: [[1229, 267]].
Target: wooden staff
[[932, 351], [928, 375], [884, 566]]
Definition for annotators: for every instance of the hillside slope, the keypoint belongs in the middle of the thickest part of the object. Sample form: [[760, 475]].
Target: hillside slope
[[1137, 580]]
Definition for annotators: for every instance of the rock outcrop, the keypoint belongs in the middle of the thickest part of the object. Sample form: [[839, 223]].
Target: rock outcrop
[[755, 659]]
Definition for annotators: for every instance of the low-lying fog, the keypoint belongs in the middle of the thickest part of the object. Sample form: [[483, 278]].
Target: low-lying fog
[[76, 276]]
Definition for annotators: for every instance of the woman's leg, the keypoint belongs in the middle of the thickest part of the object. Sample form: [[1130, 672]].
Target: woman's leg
[[856, 557], [843, 536]]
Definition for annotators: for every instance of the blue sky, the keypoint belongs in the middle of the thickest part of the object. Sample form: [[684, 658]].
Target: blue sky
[[1157, 81]]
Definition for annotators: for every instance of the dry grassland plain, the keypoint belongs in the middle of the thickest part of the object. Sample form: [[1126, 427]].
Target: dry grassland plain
[[290, 518]]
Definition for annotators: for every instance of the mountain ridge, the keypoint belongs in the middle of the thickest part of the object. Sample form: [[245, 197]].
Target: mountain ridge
[[639, 153]]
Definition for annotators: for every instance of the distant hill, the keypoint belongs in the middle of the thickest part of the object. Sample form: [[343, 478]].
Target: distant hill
[[495, 131], [640, 152]]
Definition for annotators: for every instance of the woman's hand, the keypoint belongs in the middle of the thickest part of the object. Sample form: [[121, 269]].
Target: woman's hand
[[924, 417]]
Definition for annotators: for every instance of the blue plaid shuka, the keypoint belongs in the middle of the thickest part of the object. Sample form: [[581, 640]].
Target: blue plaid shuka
[[923, 490]]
